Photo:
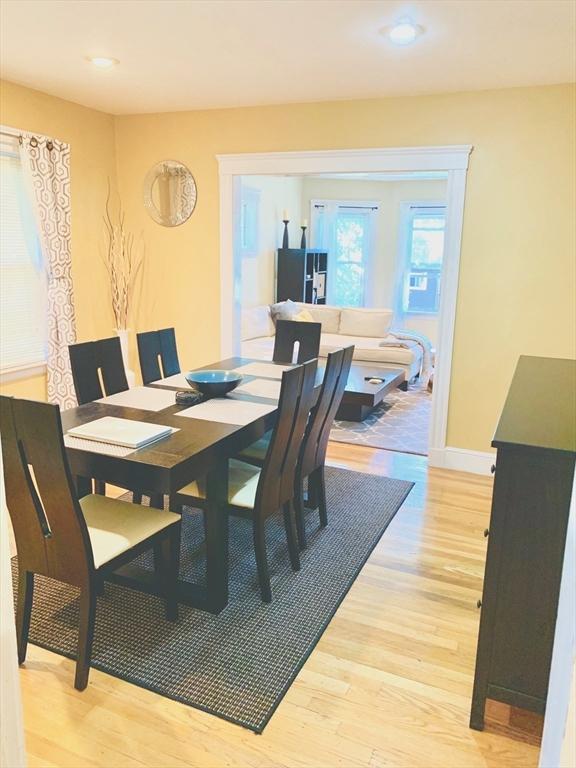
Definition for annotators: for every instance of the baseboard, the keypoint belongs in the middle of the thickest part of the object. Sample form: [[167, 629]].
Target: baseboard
[[462, 460]]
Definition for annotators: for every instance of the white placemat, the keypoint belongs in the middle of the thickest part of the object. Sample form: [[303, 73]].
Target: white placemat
[[227, 411], [268, 388], [263, 370], [95, 447], [145, 398], [177, 380]]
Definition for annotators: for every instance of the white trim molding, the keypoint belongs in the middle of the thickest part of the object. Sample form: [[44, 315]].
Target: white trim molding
[[462, 460], [453, 160]]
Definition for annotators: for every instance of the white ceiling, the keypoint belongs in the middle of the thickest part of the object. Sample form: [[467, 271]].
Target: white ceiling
[[190, 54]]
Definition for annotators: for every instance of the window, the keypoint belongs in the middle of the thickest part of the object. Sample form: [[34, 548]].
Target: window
[[249, 222], [424, 239], [23, 286], [345, 230]]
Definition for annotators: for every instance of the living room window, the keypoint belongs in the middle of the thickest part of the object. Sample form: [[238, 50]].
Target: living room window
[[23, 281], [422, 251], [345, 229]]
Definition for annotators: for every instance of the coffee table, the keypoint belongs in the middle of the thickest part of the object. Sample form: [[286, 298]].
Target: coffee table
[[360, 397]]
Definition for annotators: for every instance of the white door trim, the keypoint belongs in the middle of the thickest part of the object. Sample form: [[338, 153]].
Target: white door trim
[[450, 159]]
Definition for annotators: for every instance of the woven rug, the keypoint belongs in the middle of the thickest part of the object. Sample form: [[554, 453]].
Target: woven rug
[[400, 423], [237, 665]]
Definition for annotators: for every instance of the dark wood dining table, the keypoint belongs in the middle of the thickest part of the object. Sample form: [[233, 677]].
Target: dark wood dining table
[[198, 449]]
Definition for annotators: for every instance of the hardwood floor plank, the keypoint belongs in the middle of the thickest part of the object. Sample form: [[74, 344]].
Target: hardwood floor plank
[[388, 684]]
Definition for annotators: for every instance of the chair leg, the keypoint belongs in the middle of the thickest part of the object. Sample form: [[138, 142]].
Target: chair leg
[[167, 567], [312, 497], [100, 487], [136, 498], [25, 595], [291, 536], [85, 636], [262, 560], [299, 511], [157, 500], [321, 486]]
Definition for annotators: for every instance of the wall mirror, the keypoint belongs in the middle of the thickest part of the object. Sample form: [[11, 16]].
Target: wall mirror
[[169, 193]]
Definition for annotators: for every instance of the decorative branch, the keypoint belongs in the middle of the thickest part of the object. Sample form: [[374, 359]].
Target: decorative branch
[[123, 261]]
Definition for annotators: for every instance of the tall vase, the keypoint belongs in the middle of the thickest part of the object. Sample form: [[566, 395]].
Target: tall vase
[[123, 335]]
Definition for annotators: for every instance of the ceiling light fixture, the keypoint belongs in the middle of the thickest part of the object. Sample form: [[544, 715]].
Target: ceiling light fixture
[[403, 32], [102, 62]]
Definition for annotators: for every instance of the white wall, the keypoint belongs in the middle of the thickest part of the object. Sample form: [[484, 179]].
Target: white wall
[[12, 753], [389, 195], [276, 194], [559, 736]]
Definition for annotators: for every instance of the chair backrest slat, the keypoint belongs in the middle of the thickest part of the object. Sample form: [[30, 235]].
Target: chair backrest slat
[[276, 485], [91, 360], [288, 332], [49, 528], [323, 414], [158, 354]]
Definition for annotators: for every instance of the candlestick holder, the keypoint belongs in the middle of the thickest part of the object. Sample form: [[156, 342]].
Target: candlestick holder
[[285, 237], [303, 239]]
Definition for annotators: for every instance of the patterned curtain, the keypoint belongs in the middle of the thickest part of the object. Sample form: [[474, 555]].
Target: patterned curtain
[[46, 164]]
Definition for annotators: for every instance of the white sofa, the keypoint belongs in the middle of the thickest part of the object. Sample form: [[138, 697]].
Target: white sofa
[[365, 328]]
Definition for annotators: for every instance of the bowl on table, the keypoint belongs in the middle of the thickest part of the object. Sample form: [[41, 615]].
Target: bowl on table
[[213, 383]]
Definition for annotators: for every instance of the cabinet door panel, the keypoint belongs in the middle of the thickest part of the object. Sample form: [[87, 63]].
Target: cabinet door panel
[[536, 503]]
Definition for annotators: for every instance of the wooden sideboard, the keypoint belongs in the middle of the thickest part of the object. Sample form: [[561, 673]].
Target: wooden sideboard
[[534, 471]]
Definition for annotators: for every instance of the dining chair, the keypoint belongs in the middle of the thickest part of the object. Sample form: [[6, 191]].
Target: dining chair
[[158, 354], [258, 493], [290, 332], [314, 445], [97, 369], [75, 541], [312, 457]]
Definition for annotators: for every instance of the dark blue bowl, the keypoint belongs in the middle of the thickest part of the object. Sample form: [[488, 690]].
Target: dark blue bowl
[[213, 383]]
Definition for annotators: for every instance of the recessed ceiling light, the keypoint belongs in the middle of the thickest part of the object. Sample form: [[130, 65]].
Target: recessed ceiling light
[[102, 62], [403, 32]]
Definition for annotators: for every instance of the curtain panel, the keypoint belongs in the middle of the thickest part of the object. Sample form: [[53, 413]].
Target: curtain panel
[[46, 164]]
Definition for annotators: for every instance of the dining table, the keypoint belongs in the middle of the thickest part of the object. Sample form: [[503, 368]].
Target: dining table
[[200, 447]]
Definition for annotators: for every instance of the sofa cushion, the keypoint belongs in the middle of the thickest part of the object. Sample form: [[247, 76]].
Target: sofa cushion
[[367, 349], [365, 322], [329, 317], [257, 322]]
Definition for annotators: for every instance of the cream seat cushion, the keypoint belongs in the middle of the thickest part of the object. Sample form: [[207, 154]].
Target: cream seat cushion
[[242, 484], [368, 349], [116, 526]]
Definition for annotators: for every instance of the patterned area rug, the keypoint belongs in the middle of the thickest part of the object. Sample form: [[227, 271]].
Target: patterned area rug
[[237, 665], [400, 423]]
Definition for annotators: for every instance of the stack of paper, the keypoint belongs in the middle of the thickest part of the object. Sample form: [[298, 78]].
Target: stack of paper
[[132, 434]]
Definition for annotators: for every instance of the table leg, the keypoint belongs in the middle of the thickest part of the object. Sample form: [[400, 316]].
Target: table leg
[[217, 537]]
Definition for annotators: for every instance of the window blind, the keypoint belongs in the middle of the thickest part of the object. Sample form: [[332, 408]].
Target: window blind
[[23, 284]]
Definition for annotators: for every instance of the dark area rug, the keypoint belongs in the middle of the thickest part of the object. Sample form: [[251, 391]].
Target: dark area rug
[[237, 665]]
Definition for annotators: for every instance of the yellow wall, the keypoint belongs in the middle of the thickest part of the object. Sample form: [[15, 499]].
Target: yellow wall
[[517, 283], [92, 160]]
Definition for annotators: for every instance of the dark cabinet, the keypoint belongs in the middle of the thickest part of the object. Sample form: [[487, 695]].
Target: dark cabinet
[[536, 450], [301, 275]]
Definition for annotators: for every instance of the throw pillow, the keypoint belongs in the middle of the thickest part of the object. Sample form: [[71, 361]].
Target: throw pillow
[[303, 317], [283, 310]]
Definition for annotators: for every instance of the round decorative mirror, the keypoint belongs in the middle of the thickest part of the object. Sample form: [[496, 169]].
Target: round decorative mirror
[[169, 193]]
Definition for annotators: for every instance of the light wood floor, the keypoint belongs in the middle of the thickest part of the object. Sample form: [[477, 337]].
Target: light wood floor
[[388, 684]]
